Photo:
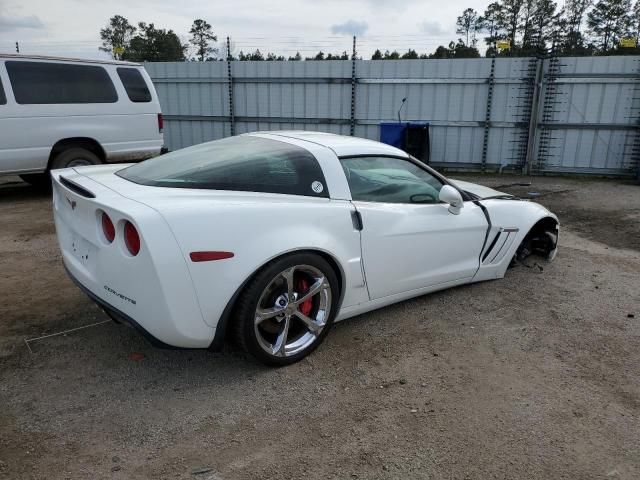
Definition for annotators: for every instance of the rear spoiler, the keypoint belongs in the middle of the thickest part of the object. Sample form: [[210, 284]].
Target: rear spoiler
[[74, 187]]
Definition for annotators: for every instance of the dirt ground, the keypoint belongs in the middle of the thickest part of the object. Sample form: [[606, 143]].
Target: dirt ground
[[533, 376]]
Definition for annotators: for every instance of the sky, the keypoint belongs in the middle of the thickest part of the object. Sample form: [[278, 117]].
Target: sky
[[71, 27]]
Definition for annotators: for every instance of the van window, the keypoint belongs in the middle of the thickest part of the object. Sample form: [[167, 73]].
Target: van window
[[134, 84], [46, 83], [3, 98]]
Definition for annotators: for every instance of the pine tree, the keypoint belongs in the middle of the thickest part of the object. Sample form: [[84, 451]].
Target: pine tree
[[154, 45], [634, 17], [544, 24], [526, 18], [117, 36], [608, 21], [410, 55], [574, 12], [468, 24], [492, 23], [511, 18], [201, 36]]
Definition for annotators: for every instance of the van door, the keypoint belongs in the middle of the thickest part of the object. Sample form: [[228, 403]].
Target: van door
[[7, 124]]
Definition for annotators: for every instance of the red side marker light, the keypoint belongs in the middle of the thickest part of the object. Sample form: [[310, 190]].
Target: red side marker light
[[209, 256]]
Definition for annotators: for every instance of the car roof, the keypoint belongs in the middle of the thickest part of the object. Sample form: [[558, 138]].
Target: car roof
[[20, 56], [342, 145]]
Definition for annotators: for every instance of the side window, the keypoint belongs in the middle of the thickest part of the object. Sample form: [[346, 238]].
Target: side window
[[390, 180], [134, 84], [3, 98], [47, 83], [241, 163]]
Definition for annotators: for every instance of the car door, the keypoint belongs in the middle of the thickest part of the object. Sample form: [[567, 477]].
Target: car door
[[409, 238]]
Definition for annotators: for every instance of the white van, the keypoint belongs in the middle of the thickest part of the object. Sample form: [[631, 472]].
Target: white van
[[59, 112]]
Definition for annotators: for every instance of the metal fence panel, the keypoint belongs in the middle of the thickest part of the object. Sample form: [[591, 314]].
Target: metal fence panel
[[586, 118], [588, 122]]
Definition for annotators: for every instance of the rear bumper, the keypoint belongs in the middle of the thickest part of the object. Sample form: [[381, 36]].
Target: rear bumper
[[151, 291], [120, 317]]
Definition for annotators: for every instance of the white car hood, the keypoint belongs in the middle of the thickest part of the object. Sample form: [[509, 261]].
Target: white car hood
[[479, 190]]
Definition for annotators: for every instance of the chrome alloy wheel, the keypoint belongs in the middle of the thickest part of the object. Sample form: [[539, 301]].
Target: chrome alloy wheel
[[292, 310]]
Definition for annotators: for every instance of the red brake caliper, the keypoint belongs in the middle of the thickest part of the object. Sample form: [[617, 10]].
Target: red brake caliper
[[307, 305]]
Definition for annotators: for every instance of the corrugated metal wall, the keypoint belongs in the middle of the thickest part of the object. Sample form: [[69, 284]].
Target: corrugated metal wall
[[479, 109], [588, 116]]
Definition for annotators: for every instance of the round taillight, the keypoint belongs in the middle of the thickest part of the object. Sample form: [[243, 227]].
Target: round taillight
[[131, 238], [107, 228]]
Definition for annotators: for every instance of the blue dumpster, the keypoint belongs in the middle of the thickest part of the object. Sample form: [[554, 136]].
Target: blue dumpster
[[393, 133], [412, 137]]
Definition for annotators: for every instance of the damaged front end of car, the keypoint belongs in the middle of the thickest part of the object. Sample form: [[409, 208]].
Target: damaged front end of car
[[541, 241]]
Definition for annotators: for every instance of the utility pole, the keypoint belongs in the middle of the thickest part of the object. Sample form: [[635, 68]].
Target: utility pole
[[232, 119], [17, 48], [352, 121]]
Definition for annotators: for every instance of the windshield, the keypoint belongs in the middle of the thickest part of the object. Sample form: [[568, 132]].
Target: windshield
[[245, 163]]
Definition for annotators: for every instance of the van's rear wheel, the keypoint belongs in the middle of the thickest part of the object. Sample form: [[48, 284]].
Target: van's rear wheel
[[74, 157], [287, 309]]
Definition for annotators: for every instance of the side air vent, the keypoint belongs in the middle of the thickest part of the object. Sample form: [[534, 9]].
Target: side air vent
[[74, 187], [491, 245], [499, 246]]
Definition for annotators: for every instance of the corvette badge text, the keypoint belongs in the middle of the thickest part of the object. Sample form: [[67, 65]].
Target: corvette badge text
[[111, 290]]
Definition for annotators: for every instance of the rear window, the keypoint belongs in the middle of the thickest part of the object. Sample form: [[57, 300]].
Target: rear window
[[134, 84], [3, 98], [244, 163], [46, 83]]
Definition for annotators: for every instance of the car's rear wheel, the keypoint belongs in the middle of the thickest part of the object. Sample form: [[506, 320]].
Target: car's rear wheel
[[287, 309], [74, 157]]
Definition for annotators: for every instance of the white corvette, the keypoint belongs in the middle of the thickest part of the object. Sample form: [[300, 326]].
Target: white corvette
[[271, 237]]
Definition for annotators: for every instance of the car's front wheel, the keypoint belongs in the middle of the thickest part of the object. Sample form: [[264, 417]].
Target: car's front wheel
[[286, 310]]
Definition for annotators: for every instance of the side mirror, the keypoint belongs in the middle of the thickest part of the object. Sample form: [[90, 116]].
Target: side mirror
[[450, 195]]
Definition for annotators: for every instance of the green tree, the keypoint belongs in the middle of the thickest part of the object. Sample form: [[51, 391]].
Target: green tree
[[391, 55], [492, 22], [468, 24], [529, 40], [410, 55], [575, 11], [460, 50], [272, 57], [255, 56], [634, 20], [377, 55], [296, 58], [338, 56], [541, 24], [441, 52], [116, 36], [511, 19], [154, 45], [201, 37], [608, 21]]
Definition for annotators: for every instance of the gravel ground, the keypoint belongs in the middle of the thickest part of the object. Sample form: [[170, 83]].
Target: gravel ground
[[533, 376]]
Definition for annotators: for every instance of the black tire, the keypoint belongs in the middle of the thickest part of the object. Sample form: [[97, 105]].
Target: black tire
[[246, 331], [74, 157], [41, 181]]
